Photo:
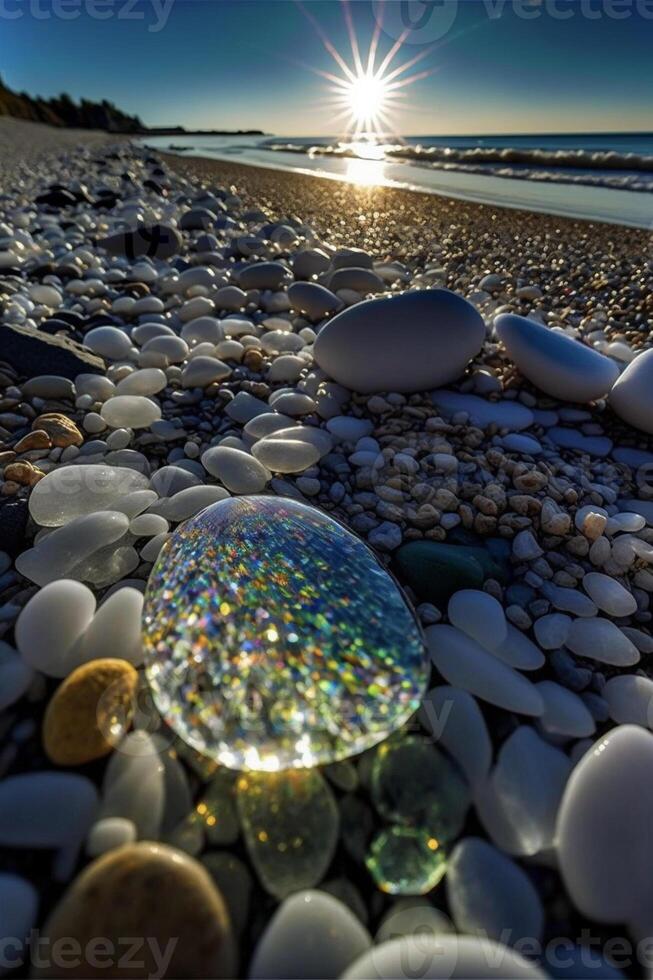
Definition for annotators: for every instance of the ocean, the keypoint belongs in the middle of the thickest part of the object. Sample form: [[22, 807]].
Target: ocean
[[607, 176]]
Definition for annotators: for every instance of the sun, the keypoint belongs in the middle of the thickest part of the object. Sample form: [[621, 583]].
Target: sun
[[367, 93], [367, 96]]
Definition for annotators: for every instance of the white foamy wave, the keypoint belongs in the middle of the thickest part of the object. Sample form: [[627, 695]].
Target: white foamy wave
[[599, 168]]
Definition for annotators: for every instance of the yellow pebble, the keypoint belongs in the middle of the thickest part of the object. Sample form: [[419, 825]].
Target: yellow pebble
[[89, 712]]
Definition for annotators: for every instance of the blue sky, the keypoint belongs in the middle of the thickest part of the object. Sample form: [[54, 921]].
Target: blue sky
[[513, 66]]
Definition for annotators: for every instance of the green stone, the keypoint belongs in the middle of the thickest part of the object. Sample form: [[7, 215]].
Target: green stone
[[405, 861], [290, 824], [188, 835], [435, 570], [415, 784]]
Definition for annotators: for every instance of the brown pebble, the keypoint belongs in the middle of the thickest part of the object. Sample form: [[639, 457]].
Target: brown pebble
[[62, 431], [253, 360], [7, 456], [150, 891], [38, 439], [89, 712], [23, 472]]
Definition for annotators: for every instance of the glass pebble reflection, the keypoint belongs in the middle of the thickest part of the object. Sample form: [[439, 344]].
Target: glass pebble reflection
[[274, 638]]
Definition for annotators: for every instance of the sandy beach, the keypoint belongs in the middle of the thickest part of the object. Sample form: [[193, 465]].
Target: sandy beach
[[325, 566]]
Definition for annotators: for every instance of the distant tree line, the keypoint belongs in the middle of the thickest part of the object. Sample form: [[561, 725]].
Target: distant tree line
[[63, 111]]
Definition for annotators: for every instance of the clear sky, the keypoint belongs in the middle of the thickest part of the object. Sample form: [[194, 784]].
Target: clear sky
[[496, 66]]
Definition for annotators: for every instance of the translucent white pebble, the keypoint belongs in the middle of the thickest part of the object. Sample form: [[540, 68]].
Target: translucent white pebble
[[609, 595], [133, 411], [108, 342], [443, 958], [264, 425], [134, 785], [115, 630], [480, 616], [237, 470], [72, 491], [49, 628], [464, 663], [518, 651], [148, 525], [59, 552], [151, 550], [147, 381], [452, 717], [311, 935], [630, 699], [599, 639], [285, 456], [604, 830], [490, 896], [564, 712], [109, 833], [186, 503], [203, 371], [529, 779], [311, 434]]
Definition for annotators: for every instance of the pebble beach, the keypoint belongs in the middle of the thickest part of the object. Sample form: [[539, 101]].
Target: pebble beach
[[326, 534]]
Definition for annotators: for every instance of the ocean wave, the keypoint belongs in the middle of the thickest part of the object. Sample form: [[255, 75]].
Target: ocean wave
[[567, 166]]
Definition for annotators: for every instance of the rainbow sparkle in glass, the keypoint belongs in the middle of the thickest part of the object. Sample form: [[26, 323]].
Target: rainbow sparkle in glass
[[274, 639]]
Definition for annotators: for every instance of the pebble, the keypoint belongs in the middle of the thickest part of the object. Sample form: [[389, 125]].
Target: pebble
[[15, 676], [89, 712], [289, 821], [480, 616], [52, 810], [630, 699], [564, 712], [61, 611], [19, 903], [237, 470], [202, 371], [62, 552], [132, 411], [630, 397], [312, 299], [109, 342], [483, 413], [147, 381], [285, 456], [529, 779], [609, 595], [464, 663], [490, 896], [518, 651], [603, 830], [169, 895], [107, 834], [363, 349], [74, 491], [556, 363], [440, 957], [599, 639], [452, 716], [311, 936]]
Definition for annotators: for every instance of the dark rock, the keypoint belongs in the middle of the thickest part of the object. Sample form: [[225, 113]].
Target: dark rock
[[156, 241], [57, 198], [435, 570], [32, 352], [54, 326], [13, 523]]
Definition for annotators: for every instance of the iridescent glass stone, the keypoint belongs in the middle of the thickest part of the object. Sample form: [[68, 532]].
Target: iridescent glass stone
[[275, 639]]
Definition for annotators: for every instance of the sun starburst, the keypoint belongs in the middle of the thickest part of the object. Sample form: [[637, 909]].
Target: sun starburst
[[366, 93]]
